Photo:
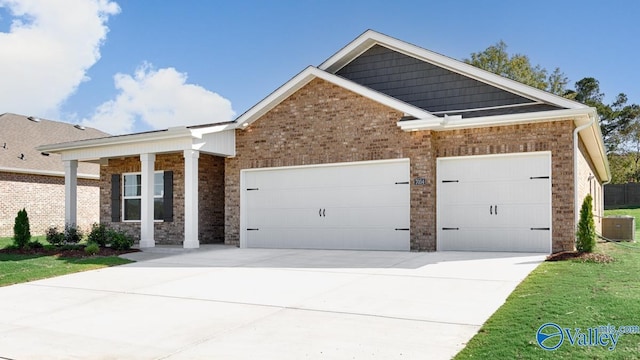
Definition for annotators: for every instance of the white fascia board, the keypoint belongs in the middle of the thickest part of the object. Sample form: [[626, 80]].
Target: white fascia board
[[420, 124], [172, 133], [310, 73], [371, 38], [456, 122], [46, 173]]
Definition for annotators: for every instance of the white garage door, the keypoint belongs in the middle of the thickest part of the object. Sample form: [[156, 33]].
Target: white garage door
[[363, 205], [495, 203]]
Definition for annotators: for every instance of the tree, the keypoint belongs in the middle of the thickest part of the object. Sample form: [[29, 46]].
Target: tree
[[616, 119], [21, 230], [518, 67], [586, 232]]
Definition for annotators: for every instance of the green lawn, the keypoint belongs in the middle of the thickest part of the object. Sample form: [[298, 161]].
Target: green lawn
[[16, 269], [573, 295]]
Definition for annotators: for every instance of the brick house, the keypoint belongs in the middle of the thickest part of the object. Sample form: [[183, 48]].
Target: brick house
[[384, 146], [34, 180]]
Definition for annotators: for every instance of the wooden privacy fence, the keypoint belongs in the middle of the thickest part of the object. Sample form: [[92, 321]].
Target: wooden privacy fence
[[621, 195]]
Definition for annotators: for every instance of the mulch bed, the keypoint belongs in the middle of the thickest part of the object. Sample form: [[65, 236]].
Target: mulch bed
[[65, 252], [580, 256]]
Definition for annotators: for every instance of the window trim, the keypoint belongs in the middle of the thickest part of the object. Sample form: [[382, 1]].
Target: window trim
[[123, 197]]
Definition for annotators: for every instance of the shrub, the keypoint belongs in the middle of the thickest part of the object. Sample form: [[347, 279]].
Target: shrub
[[98, 235], [586, 232], [72, 235], [54, 237], [21, 231], [119, 240], [35, 245], [92, 248]]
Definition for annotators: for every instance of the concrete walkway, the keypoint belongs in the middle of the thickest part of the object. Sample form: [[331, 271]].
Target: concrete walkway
[[226, 303]]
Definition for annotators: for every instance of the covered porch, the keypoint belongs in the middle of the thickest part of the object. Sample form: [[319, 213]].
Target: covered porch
[[155, 183]]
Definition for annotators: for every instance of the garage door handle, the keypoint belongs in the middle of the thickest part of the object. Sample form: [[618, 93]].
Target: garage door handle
[[402, 229], [450, 228], [496, 210], [323, 212], [540, 229], [491, 210], [253, 229]]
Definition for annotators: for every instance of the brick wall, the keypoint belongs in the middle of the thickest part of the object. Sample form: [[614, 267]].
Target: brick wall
[[210, 199], [556, 137], [589, 183], [43, 197], [323, 123]]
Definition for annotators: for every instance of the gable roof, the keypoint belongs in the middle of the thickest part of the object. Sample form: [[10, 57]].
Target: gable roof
[[371, 38], [20, 135], [515, 103], [310, 73]]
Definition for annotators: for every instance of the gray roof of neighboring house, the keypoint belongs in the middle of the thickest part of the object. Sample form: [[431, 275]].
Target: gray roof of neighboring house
[[20, 135]]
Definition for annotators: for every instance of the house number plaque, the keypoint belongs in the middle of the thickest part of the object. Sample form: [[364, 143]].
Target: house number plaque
[[419, 181]]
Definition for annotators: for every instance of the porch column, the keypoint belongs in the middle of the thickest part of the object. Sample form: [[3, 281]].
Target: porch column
[[191, 239], [71, 192], [146, 207]]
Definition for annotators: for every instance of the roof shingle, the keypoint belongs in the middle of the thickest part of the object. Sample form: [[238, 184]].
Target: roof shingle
[[20, 135]]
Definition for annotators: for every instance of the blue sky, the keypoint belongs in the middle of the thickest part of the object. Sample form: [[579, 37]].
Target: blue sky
[[132, 65]]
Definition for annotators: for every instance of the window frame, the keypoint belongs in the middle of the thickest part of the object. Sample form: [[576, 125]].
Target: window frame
[[124, 197]]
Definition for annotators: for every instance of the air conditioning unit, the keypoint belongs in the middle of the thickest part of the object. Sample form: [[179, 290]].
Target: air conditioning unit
[[619, 228]]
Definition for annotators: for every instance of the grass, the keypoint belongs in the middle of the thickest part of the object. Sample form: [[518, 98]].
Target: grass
[[573, 295], [17, 268]]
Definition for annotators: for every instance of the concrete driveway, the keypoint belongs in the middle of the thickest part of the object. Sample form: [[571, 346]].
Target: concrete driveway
[[226, 303]]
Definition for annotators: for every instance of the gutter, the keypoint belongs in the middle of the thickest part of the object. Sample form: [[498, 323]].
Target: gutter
[[592, 119]]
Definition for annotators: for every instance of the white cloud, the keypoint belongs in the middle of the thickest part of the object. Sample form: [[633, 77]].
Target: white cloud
[[160, 99], [47, 51]]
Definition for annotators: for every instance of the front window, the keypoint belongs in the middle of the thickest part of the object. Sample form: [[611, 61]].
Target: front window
[[132, 196]]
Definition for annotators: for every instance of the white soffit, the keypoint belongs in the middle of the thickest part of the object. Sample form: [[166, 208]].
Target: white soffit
[[370, 38], [310, 73]]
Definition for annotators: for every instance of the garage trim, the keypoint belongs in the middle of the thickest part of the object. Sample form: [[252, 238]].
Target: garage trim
[[243, 189], [440, 180]]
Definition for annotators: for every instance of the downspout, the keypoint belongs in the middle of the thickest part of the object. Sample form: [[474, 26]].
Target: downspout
[[576, 149]]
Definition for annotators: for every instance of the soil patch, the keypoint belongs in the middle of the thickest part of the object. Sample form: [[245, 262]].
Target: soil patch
[[580, 256], [66, 252]]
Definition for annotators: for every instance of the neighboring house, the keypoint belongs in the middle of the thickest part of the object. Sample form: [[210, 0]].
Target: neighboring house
[[384, 146], [34, 180]]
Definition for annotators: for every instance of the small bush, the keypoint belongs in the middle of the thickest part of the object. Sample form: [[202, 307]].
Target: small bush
[[119, 240], [98, 235], [72, 235], [586, 232], [92, 248], [35, 245], [54, 237], [21, 230]]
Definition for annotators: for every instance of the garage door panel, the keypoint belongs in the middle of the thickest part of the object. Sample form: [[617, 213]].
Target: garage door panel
[[365, 238], [343, 206], [494, 202]]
